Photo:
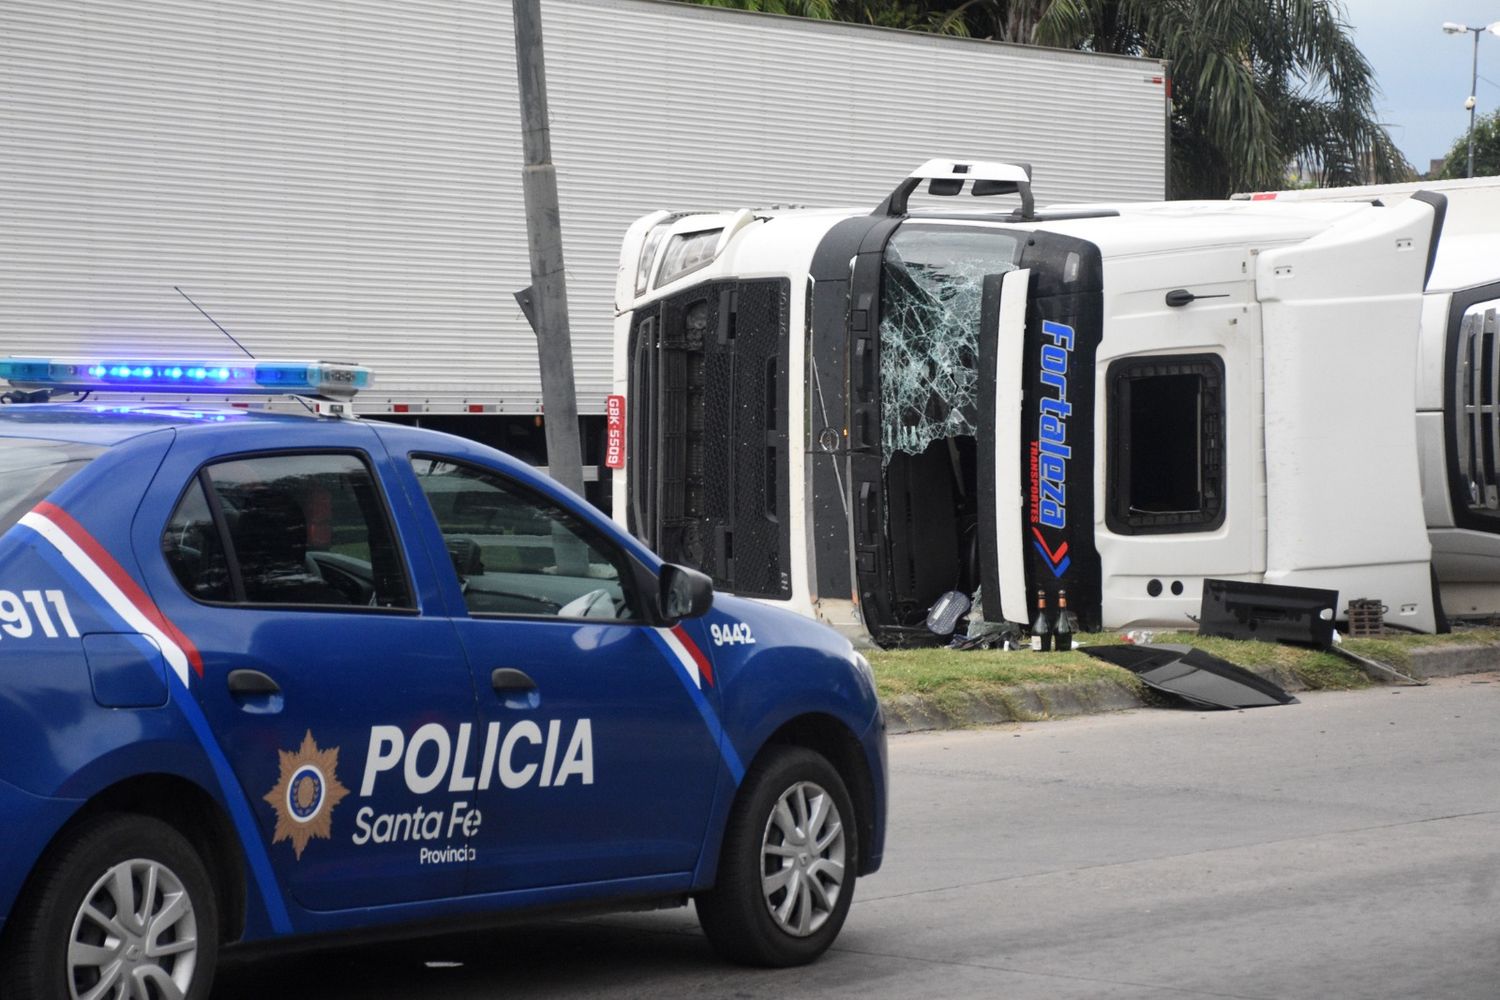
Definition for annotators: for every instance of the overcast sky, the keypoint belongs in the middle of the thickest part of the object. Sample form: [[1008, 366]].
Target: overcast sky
[[1423, 73]]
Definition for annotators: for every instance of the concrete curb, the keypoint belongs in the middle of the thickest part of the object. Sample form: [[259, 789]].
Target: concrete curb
[[1038, 702], [1450, 661], [1025, 703]]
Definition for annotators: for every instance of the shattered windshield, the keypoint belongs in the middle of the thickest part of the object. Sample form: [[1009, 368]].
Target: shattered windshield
[[931, 286]]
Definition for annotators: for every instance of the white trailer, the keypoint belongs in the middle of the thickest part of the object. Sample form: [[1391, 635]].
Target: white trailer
[[343, 181], [1120, 401]]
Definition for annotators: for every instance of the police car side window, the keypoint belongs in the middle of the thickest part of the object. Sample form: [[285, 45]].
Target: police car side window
[[303, 529], [194, 550], [517, 553]]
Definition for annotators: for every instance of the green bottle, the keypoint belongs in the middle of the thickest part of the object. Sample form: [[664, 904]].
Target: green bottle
[[1041, 629], [1067, 622]]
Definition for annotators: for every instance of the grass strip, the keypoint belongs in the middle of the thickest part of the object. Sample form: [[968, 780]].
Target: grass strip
[[948, 676], [951, 680]]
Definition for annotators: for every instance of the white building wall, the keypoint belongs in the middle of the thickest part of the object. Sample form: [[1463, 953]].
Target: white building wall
[[342, 179]]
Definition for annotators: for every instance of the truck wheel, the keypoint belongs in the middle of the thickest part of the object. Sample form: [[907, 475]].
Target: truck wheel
[[786, 870], [120, 909]]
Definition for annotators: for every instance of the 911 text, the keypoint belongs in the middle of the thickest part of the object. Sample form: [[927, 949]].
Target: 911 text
[[17, 614]]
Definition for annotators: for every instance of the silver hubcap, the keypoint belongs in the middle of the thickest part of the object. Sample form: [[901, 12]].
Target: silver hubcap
[[802, 859], [135, 937]]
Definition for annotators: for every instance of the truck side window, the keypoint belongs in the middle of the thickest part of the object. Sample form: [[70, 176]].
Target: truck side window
[[518, 553], [1166, 444], [303, 530]]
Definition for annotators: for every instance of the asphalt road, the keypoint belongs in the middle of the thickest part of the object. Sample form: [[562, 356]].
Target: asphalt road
[[1345, 847]]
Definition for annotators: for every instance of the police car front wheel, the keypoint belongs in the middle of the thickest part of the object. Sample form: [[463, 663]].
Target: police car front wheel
[[121, 909], [786, 872]]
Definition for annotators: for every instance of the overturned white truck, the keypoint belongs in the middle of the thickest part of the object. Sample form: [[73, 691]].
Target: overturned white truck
[[853, 412]]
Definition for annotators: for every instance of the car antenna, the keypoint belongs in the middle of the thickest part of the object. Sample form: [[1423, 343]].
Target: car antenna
[[215, 322], [226, 333]]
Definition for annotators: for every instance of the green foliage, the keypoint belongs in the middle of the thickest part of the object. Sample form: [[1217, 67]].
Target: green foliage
[[1486, 150], [823, 10], [1259, 86]]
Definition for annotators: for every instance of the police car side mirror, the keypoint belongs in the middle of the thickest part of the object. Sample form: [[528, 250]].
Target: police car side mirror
[[685, 593]]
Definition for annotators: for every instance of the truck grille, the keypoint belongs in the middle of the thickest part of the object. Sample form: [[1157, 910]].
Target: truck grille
[[708, 447], [1477, 377]]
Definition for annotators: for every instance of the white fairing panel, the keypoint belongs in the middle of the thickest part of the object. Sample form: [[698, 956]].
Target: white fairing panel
[[1340, 315], [1009, 493]]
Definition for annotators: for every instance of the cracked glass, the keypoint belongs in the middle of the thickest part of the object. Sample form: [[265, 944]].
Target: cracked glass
[[931, 290]]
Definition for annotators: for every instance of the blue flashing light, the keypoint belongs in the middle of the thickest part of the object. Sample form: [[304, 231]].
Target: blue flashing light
[[310, 378], [25, 369]]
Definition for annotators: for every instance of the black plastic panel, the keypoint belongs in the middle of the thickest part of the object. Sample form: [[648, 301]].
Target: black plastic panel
[[1234, 609]]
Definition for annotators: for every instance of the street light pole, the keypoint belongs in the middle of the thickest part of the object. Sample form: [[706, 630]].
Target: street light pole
[[1472, 100], [1473, 97]]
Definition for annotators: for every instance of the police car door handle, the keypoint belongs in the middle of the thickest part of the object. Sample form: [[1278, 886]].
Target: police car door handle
[[508, 680], [252, 682], [255, 692], [516, 689]]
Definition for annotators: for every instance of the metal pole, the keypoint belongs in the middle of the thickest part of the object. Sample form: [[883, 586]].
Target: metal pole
[[544, 239], [1473, 99]]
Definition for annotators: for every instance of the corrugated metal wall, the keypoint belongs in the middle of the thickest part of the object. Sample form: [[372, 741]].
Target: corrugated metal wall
[[342, 179]]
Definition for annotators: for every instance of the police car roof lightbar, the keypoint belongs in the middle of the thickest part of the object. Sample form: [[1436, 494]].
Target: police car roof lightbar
[[319, 379]]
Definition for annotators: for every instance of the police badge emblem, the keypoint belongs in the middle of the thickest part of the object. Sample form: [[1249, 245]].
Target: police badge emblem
[[306, 794]]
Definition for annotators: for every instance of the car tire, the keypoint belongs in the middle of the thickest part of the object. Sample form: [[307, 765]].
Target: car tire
[[787, 866], [67, 935]]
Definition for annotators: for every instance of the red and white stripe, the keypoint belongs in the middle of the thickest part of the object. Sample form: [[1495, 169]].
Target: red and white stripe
[[688, 655], [118, 589]]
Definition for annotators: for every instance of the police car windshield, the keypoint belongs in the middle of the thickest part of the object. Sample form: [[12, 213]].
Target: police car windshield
[[32, 469]]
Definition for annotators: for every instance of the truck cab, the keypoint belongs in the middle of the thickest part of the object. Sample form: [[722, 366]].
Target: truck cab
[[853, 412]]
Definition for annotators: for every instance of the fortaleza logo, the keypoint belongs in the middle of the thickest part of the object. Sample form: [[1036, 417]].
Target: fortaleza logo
[[432, 760], [1050, 450], [306, 793]]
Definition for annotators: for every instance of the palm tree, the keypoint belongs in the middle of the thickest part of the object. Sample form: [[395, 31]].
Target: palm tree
[[1258, 85], [823, 10]]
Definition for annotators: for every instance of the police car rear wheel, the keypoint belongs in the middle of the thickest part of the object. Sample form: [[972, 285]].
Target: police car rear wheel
[[122, 909], [786, 873]]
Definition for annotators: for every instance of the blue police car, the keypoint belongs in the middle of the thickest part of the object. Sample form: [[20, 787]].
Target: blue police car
[[272, 675]]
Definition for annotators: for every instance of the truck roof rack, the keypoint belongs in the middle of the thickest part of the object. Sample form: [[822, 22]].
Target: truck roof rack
[[948, 177]]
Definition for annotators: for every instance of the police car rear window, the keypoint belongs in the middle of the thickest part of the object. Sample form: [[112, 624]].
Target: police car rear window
[[32, 469]]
